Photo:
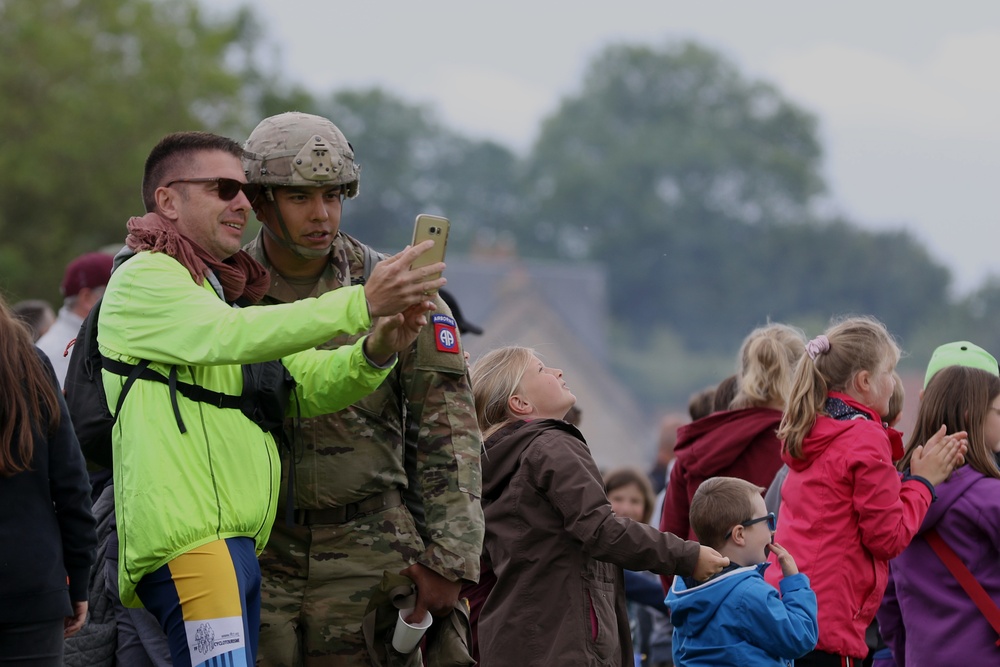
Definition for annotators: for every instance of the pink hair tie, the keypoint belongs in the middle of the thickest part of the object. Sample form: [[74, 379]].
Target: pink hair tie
[[817, 346]]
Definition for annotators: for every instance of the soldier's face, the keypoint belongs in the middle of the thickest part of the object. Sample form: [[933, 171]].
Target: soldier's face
[[312, 215]]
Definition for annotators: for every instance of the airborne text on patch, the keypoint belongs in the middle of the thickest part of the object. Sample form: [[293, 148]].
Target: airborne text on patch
[[445, 334]]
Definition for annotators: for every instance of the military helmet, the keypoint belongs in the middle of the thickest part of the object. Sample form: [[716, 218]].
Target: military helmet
[[300, 149]]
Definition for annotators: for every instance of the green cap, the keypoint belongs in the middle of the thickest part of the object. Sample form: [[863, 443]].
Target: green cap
[[960, 353]]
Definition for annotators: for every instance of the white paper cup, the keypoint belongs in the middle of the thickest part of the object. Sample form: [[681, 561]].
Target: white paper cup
[[406, 636]]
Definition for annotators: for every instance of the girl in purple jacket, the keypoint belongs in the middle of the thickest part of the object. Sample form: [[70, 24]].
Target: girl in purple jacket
[[926, 618]]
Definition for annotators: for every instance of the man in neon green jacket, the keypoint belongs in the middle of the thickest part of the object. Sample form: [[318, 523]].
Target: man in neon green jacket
[[195, 484]]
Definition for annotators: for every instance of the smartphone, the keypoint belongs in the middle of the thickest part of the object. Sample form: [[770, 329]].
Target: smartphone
[[430, 227]]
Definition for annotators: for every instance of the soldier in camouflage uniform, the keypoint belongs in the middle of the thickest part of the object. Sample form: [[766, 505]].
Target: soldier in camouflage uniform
[[350, 522]]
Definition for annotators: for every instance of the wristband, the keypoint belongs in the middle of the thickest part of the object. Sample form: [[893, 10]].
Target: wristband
[[917, 478]]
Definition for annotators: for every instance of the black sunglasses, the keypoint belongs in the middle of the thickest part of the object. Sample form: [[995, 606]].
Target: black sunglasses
[[227, 188], [772, 523]]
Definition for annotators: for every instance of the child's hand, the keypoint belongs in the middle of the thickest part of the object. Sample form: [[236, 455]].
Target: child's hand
[[785, 560], [710, 562], [935, 460]]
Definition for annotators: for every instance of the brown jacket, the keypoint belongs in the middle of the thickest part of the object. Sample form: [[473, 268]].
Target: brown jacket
[[558, 551]]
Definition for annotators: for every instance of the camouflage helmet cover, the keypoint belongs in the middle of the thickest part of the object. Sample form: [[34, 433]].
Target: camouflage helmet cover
[[300, 149]]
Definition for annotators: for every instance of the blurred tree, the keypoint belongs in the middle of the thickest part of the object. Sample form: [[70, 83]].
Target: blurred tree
[[692, 184], [696, 188], [833, 268], [412, 164], [978, 318], [88, 89]]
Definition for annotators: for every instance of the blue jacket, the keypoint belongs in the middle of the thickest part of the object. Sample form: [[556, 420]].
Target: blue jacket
[[737, 618]]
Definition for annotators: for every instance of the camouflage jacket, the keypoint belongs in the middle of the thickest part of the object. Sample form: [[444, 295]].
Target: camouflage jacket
[[358, 452]]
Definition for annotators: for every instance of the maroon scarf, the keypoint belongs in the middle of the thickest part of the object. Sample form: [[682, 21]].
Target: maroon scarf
[[241, 275]]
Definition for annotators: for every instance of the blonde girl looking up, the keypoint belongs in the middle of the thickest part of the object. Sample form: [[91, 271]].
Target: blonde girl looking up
[[555, 545]]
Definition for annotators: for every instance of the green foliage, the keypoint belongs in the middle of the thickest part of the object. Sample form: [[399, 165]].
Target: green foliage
[[662, 140], [975, 318], [412, 164], [664, 372], [89, 87], [696, 188]]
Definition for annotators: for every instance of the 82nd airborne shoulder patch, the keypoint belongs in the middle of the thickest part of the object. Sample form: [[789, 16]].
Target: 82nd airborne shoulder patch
[[445, 334]]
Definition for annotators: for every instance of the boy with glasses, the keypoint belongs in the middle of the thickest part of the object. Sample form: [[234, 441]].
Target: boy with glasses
[[736, 618]]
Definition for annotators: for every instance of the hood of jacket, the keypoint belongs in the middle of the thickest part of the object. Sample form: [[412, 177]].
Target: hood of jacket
[[948, 493], [716, 441], [696, 607], [503, 450], [828, 429]]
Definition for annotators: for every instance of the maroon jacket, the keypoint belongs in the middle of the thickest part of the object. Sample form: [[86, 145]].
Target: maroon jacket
[[735, 443], [558, 550]]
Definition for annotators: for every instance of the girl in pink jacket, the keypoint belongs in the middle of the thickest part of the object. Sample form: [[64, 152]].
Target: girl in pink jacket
[[845, 511]]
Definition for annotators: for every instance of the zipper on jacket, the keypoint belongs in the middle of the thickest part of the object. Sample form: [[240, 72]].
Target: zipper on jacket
[[270, 487]]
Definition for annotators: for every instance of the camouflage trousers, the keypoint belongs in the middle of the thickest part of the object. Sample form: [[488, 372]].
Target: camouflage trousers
[[316, 582]]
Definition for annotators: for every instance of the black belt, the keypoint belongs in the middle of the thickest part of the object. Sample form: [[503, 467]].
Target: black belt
[[350, 511]]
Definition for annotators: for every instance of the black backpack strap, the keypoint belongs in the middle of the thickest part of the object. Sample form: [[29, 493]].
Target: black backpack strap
[[141, 371], [89, 337], [172, 383], [370, 257], [132, 377]]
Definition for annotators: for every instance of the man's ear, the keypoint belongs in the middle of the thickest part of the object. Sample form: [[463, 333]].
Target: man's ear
[[166, 202], [87, 298], [519, 406]]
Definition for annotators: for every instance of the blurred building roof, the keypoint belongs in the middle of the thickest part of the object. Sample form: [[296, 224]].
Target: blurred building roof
[[560, 310]]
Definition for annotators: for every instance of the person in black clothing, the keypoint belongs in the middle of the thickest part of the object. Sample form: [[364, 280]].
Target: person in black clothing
[[48, 536]]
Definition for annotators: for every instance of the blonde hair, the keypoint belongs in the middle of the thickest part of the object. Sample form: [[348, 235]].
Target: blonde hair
[[895, 401], [855, 344], [495, 378], [719, 504], [767, 361]]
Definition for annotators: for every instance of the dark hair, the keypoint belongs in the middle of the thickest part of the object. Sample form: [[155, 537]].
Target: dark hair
[[719, 504], [28, 401], [700, 403], [960, 398], [620, 477], [895, 401], [725, 393], [36, 313], [172, 150]]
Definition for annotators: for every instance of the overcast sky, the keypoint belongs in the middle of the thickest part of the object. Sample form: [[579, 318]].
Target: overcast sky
[[907, 93]]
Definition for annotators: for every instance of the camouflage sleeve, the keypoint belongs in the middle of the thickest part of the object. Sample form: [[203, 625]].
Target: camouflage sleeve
[[448, 443]]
